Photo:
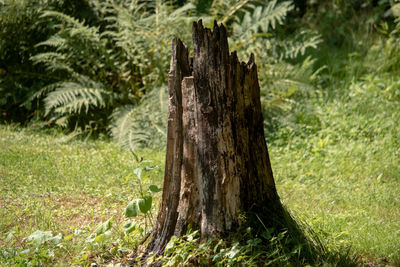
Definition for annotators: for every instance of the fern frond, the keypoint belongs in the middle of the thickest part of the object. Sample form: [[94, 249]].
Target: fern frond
[[73, 97], [73, 22], [298, 45], [45, 90], [122, 129], [54, 61], [142, 125], [54, 41], [262, 18]]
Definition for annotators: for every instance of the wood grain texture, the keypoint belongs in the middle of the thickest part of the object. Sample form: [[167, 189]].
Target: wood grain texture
[[217, 162]]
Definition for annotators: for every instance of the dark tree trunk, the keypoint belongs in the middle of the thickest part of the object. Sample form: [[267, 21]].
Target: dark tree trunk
[[217, 163]]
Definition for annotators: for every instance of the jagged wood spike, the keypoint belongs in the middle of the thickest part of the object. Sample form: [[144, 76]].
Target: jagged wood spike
[[217, 162]]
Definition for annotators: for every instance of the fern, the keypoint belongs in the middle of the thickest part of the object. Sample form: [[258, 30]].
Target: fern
[[106, 71], [76, 26], [251, 34], [261, 18], [387, 54], [117, 71], [54, 61], [71, 97], [280, 80], [142, 125]]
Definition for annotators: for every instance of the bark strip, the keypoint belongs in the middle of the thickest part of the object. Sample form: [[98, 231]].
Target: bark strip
[[217, 162]]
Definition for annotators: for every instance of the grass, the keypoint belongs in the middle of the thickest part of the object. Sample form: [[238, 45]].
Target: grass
[[337, 169], [49, 185], [343, 177]]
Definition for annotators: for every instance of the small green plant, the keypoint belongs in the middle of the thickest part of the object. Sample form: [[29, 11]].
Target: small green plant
[[40, 249], [102, 231], [143, 203]]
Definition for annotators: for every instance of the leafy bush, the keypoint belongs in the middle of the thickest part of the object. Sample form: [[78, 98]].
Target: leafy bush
[[386, 53], [253, 29], [142, 205], [258, 29], [105, 72], [108, 71], [21, 28]]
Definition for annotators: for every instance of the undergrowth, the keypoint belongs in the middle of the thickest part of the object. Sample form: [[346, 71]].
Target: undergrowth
[[334, 148], [335, 166], [256, 244]]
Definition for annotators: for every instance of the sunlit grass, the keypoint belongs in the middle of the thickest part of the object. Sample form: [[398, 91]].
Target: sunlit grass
[[344, 179], [49, 185], [339, 173]]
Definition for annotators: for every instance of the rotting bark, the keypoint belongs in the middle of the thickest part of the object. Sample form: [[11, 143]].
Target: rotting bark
[[217, 162]]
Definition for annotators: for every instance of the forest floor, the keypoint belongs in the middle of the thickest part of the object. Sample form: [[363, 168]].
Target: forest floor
[[48, 183], [335, 158], [340, 181]]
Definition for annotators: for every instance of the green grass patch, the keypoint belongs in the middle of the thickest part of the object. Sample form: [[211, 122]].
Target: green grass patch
[[343, 177], [48, 184], [337, 171]]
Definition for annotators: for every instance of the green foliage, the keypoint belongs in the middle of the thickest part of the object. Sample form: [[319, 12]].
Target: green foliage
[[108, 72], [101, 232], [129, 227], [138, 205], [72, 188], [19, 31], [386, 53], [81, 55], [105, 71], [143, 204], [143, 125], [39, 237], [270, 248], [251, 26], [106, 61], [42, 251], [132, 210], [21, 28]]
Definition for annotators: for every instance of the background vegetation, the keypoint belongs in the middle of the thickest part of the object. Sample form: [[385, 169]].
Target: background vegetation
[[329, 76]]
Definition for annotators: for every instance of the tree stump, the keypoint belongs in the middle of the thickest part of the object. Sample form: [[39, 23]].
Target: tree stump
[[217, 162]]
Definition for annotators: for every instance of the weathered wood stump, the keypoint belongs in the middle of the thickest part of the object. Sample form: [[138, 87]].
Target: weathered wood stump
[[217, 162]]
